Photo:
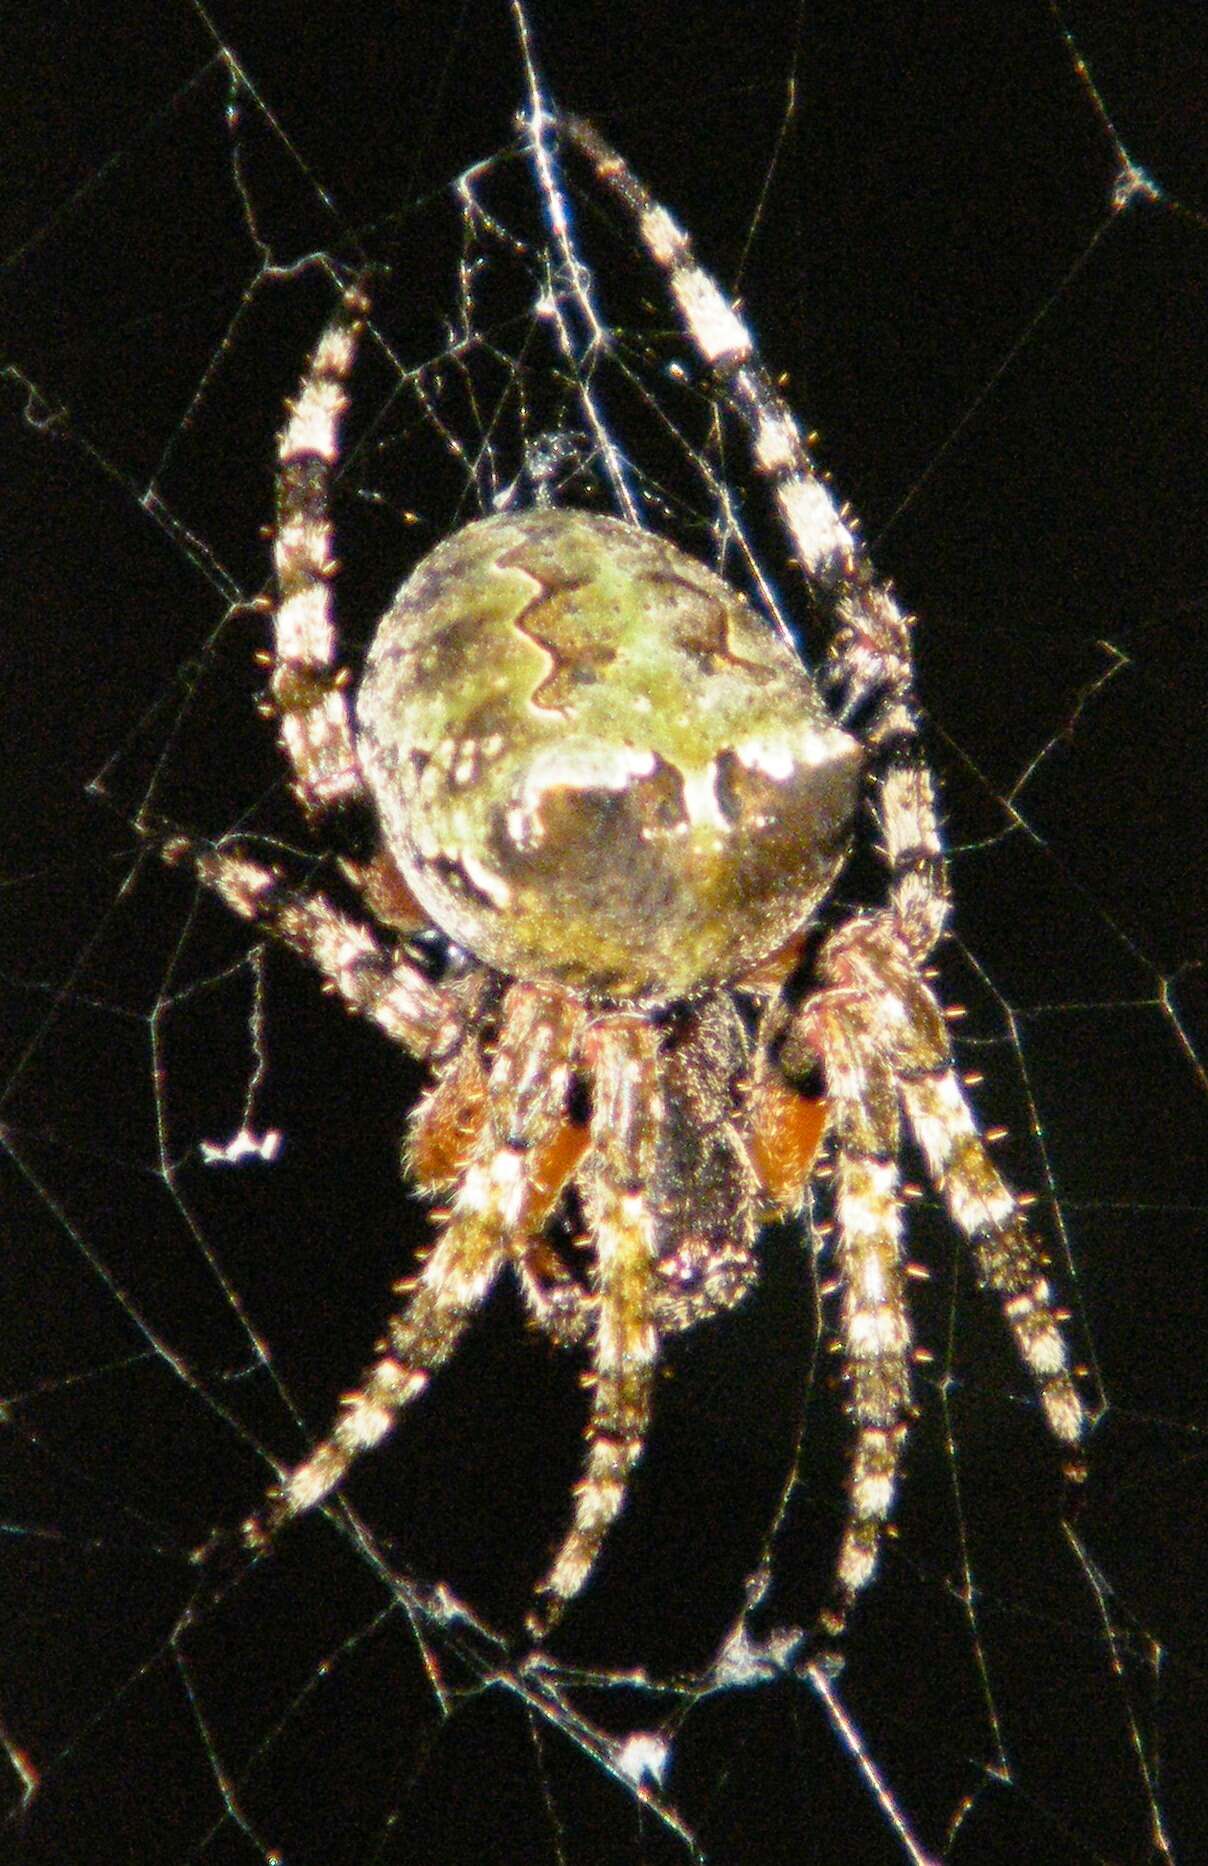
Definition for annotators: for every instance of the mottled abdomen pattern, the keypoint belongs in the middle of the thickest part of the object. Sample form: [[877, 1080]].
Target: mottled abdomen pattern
[[595, 764]]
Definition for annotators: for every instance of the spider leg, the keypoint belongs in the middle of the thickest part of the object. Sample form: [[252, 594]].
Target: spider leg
[[388, 989], [441, 1302], [1009, 1259], [874, 1328], [506, 1190], [439, 1148], [881, 1038], [622, 1052], [984, 1209], [830, 555], [308, 689], [870, 660]]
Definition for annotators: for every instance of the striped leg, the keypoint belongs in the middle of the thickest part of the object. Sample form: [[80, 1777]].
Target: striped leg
[[441, 1301], [389, 990], [506, 1192], [870, 1269], [1009, 1259], [622, 1053], [308, 688], [881, 1038], [869, 663]]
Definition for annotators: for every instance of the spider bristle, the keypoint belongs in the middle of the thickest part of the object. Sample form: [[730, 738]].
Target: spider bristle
[[954, 1012], [993, 1135], [919, 1272]]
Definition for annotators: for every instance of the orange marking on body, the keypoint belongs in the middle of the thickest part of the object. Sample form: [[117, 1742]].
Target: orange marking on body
[[386, 893], [770, 973], [552, 1164], [446, 1126], [786, 1132]]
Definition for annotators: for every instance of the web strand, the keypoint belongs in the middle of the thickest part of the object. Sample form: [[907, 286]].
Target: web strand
[[203, 1207]]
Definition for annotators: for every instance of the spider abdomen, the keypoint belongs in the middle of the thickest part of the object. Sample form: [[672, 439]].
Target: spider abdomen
[[594, 763]]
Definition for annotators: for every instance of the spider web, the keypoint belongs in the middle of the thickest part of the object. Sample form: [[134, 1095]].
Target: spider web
[[978, 251]]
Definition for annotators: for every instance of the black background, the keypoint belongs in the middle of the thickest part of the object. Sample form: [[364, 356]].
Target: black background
[[915, 205]]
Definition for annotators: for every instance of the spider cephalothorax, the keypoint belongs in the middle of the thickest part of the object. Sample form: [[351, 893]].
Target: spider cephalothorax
[[617, 794]]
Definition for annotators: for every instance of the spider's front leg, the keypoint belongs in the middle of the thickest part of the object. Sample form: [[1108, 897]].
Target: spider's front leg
[[834, 1030], [512, 1176], [621, 1053], [879, 1035], [872, 957]]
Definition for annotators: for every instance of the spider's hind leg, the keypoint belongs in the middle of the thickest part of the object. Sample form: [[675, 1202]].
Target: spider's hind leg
[[880, 1035], [1009, 1260]]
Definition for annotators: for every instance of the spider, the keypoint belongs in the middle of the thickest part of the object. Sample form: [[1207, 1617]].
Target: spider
[[620, 800]]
